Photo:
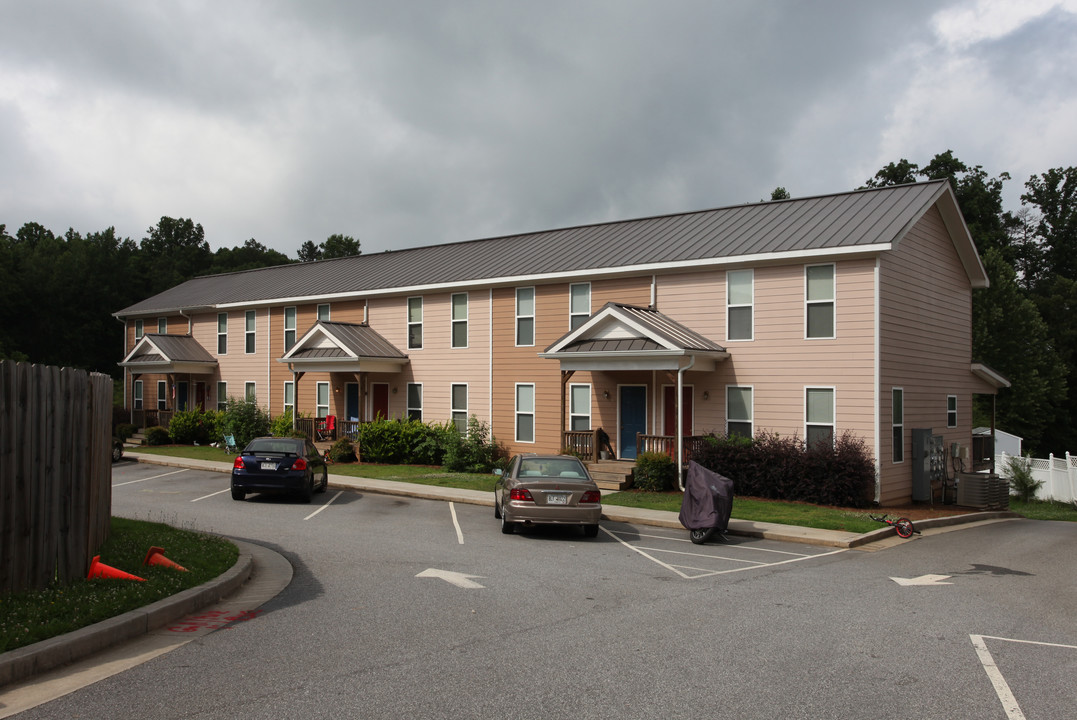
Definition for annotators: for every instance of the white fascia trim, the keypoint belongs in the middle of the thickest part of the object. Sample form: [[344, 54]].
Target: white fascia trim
[[589, 273]]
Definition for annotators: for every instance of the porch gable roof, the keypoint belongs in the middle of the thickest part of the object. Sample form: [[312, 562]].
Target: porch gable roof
[[345, 347], [626, 337], [160, 353]]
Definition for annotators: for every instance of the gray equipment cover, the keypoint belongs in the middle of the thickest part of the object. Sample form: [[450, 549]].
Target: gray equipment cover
[[708, 499]]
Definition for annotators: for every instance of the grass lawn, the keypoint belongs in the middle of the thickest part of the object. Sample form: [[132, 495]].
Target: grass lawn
[[29, 617]]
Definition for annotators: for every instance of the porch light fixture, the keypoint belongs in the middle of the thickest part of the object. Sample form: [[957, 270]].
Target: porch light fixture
[[706, 395], [606, 394]]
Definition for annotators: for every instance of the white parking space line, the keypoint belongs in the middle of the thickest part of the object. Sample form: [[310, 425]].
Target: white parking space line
[[680, 566], [211, 495], [1002, 688], [456, 524], [152, 477], [323, 507]]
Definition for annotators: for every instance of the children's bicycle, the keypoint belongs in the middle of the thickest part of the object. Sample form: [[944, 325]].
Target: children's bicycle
[[903, 526]]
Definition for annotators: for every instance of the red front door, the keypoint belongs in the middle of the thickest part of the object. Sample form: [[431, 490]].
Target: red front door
[[379, 401], [669, 392]]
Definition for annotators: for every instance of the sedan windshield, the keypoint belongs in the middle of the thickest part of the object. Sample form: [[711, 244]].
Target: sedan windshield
[[552, 467]]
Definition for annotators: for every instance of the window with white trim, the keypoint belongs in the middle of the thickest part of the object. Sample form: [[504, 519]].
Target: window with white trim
[[819, 416], [738, 411], [458, 407], [289, 327], [289, 397], [740, 300], [819, 301], [162, 326], [138, 394], [579, 407], [162, 395], [951, 411], [222, 396], [525, 412], [579, 304], [139, 329], [415, 401], [321, 407], [897, 423], [458, 301], [525, 316], [250, 391], [323, 312], [250, 345], [222, 333], [415, 323]]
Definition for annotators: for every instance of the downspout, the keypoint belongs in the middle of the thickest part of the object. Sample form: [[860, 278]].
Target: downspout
[[680, 420], [877, 370]]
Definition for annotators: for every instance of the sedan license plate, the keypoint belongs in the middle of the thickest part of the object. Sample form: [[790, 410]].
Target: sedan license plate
[[269, 466], [556, 499]]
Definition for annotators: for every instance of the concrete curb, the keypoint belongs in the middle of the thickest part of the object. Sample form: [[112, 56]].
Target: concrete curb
[[24, 662]]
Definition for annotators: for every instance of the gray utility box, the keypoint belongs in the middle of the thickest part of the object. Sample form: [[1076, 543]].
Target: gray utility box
[[983, 491], [928, 464]]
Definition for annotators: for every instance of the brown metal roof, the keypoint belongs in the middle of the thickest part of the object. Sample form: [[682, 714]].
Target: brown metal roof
[[863, 218], [354, 340]]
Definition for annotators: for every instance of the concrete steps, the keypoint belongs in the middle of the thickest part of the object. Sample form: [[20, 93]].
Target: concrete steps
[[612, 474]]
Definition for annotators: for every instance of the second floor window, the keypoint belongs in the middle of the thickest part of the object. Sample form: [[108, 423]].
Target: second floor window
[[579, 304], [415, 323], [289, 328], [222, 333], [323, 312], [739, 303], [525, 316], [249, 337], [139, 330], [951, 411], [459, 320], [162, 326], [819, 301]]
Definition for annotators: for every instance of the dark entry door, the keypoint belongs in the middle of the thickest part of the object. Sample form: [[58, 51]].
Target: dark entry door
[[379, 406], [633, 419], [351, 402], [181, 396]]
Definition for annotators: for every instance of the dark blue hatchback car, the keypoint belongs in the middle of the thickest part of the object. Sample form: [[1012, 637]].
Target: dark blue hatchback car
[[279, 465]]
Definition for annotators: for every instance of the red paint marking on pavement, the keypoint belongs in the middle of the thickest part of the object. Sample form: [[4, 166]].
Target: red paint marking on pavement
[[214, 620]]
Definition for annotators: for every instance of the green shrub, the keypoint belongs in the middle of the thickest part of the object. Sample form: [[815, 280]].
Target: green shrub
[[282, 424], [1022, 483], [125, 430], [244, 420], [157, 435], [381, 441], [476, 453], [188, 427], [343, 451], [655, 472]]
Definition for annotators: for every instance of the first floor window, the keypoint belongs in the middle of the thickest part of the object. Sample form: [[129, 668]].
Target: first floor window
[[415, 401], [951, 411], [819, 416], [162, 395], [579, 407], [250, 392], [138, 394], [525, 413], [458, 402], [289, 397], [738, 411], [222, 396], [897, 421], [322, 407]]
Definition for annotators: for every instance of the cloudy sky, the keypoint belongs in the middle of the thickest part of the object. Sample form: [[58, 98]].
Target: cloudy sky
[[415, 122]]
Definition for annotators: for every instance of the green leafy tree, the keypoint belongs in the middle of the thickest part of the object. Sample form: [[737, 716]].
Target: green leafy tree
[[1054, 195], [902, 172], [309, 252], [338, 246], [779, 193], [248, 256]]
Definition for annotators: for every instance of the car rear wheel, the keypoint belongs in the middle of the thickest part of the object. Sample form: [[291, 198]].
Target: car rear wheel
[[590, 531], [701, 536], [507, 527], [238, 494], [308, 490], [325, 481]]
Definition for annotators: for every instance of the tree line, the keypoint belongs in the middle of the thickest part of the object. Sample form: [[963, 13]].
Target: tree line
[[58, 292]]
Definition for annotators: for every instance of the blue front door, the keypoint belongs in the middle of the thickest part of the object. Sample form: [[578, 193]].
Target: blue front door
[[633, 419], [351, 402]]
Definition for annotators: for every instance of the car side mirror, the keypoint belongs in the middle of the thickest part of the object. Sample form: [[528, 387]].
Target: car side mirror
[[497, 471]]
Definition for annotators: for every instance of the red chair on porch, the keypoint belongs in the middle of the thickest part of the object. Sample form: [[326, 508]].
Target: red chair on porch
[[327, 427]]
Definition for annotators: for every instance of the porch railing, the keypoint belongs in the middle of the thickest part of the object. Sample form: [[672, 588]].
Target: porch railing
[[151, 418], [583, 443], [666, 444]]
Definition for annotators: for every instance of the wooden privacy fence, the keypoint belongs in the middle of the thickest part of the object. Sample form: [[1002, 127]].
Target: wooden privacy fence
[[55, 473]]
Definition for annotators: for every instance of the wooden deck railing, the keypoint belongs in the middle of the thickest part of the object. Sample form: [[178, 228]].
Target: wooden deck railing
[[151, 418], [666, 445], [583, 443]]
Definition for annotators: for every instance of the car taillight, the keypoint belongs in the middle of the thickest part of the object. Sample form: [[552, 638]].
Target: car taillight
[[238, 464], [521, 494], [299, 464], [591, 496]]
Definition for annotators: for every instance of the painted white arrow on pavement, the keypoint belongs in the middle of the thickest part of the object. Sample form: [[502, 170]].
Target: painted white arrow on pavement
[[457, 579], [923, 580]]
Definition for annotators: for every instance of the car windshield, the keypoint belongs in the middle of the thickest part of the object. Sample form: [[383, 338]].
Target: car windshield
[[273, 446], [566, 468]]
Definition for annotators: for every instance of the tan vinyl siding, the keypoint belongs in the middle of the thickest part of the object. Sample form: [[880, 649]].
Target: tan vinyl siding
[[925, 345]]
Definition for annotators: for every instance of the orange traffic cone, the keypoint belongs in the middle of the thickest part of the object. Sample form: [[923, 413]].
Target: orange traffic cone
[[156, 556], [100, 570]]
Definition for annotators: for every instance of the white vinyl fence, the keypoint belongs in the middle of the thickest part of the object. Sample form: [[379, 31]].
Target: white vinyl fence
[[1059, 476]]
